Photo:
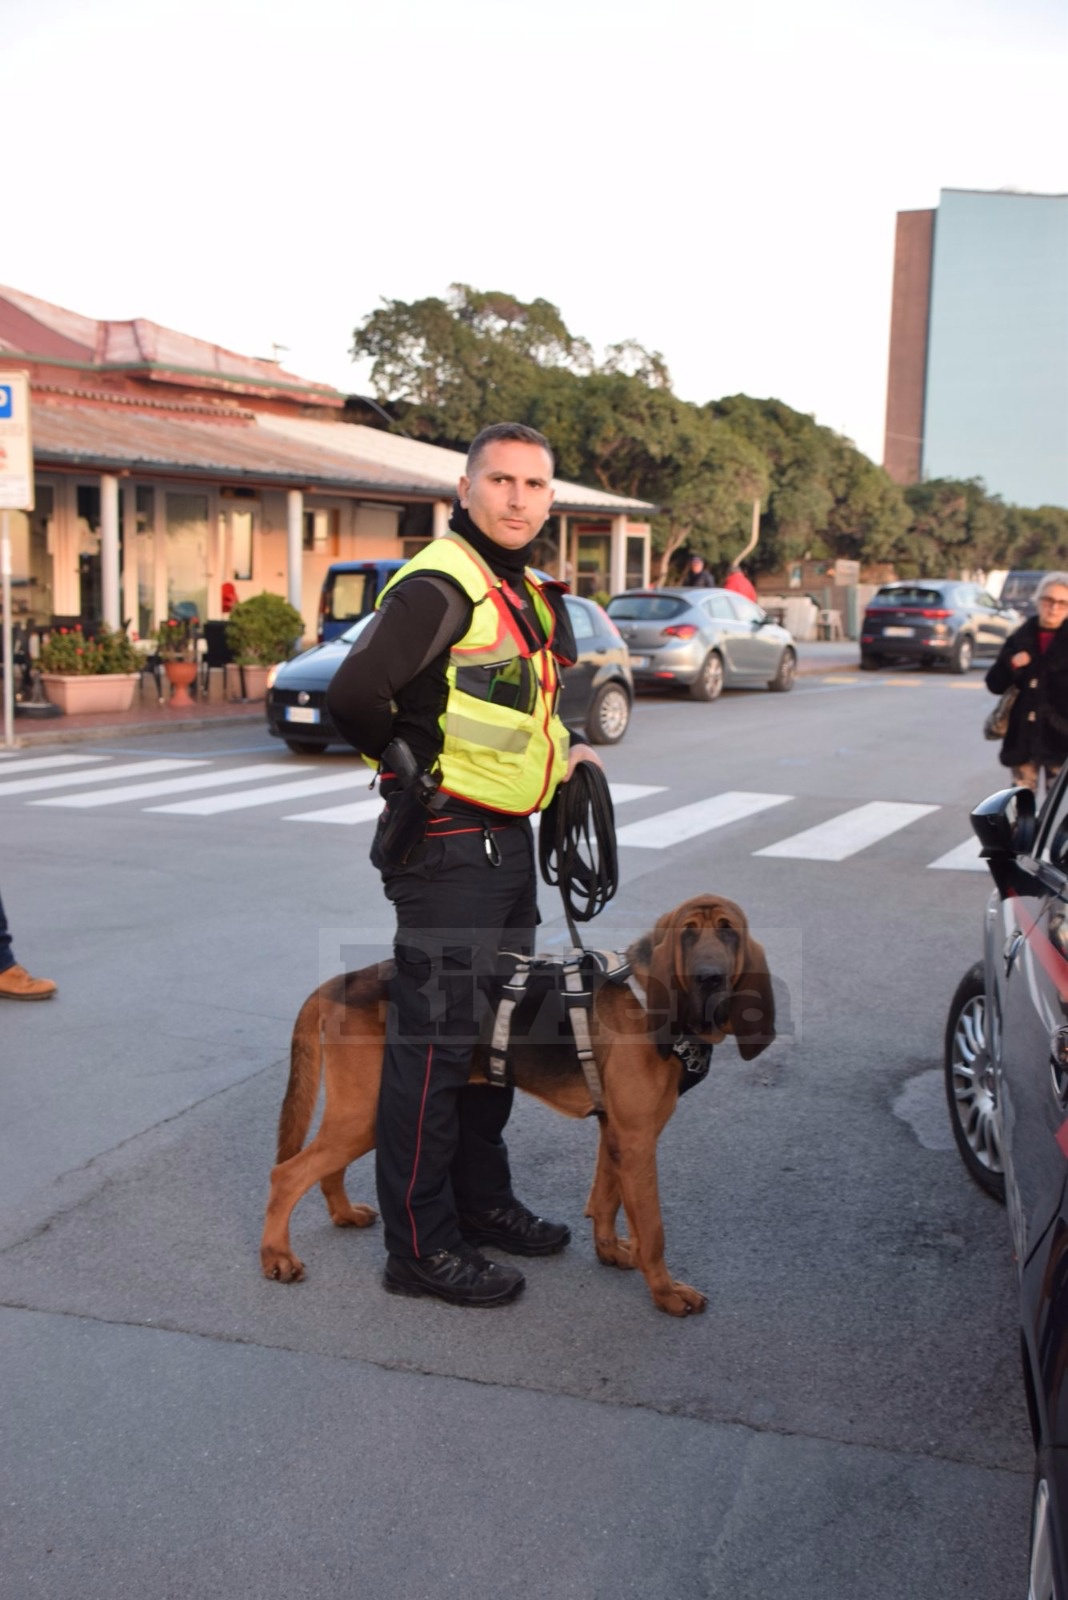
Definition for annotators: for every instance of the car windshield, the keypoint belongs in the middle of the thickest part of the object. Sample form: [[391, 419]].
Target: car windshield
[[645, 607], [1019, 586], [908, 594]]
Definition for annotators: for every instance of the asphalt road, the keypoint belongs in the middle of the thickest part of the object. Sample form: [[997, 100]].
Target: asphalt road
[[845, 1420]]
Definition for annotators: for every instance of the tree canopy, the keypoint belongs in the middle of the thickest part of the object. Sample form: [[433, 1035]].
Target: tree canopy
[[444, 368]]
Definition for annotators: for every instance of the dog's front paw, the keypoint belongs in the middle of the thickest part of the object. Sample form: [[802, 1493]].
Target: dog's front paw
[[281, 1265], [615, 1252], [350, 1216], [679, 1300]]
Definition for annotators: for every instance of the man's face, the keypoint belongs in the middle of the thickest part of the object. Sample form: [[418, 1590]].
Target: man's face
[[509, 494]]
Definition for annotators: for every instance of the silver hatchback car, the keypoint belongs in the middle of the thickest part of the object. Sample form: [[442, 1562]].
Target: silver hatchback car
[[703, 640]]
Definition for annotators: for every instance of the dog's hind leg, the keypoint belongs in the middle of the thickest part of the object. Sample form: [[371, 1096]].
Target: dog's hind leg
[[323, 1162]]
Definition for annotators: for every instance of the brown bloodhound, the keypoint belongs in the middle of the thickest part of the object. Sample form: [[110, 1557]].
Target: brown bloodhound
[[702, 976]]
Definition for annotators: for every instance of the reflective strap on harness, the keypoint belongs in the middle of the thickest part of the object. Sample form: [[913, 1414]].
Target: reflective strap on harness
[[579, 1002], [511, 995]]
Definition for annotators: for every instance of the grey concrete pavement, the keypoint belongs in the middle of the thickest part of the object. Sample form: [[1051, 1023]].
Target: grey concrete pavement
[[827, 1428]]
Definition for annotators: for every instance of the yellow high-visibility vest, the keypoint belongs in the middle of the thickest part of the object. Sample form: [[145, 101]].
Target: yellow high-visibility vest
[[503, 746]]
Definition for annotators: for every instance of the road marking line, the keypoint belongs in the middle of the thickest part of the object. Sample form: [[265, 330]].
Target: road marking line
[[979, 685], [144, 791], [67, 780], [213, 804], [38, 763], [904, 683], [346, 816], [965, 858], [686, 822], [854, 830]]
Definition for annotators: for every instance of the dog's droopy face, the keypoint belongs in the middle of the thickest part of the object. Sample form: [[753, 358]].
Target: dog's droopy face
[[705, 974]]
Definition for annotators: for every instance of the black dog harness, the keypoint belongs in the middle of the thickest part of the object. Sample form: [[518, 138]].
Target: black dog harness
[[565, 987]]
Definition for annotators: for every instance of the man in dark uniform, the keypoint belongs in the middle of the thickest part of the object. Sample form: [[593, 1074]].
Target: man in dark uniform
[[451, 690], [697, 575]]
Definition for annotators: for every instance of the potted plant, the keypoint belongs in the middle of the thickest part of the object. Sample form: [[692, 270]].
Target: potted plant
[[176, 646], [260, 632], [82, 675]]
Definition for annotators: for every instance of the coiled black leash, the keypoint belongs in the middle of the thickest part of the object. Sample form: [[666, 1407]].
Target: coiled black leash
[[577, 845]]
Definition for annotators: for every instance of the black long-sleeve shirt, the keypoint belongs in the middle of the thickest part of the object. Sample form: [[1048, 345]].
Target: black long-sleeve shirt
[[393, 683]]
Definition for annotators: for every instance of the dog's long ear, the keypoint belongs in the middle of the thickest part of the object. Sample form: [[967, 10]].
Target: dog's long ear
[[752, 1009], [662, 990]]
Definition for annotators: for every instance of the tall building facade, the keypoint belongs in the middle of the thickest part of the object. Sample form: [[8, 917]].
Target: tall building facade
[[978, 374]]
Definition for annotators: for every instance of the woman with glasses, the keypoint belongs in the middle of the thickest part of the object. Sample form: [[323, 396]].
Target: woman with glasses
[[1034, 660]]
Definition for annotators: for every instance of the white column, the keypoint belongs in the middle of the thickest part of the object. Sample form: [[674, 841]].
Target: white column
[[159, 553], [561, 559], [617, 576], [129, 555], [66, 588], [441, 518], [294, 546], [109, 548]]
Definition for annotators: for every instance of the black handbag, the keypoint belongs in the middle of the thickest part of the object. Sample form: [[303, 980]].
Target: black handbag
[[996, 725]]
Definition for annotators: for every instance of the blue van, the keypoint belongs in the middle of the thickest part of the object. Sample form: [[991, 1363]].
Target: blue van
[[350, 590]]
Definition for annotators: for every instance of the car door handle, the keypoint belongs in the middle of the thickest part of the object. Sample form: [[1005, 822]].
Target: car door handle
[[1013, 945]]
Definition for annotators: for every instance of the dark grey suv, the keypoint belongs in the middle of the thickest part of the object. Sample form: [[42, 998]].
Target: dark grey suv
[[933, 621]]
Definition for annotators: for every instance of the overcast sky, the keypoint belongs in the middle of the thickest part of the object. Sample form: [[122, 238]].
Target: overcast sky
[[719, 182]]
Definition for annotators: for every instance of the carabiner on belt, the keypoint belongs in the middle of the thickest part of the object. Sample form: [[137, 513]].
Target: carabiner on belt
[[489, 844]]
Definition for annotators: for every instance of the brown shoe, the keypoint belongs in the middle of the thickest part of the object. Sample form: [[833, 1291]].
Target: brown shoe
[[16, 984]]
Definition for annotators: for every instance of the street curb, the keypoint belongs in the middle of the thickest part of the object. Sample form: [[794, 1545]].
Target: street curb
[[49, 734]]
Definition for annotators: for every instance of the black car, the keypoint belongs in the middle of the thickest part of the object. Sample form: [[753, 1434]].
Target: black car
[[932, 620], [1006, 1068], [596, 693]]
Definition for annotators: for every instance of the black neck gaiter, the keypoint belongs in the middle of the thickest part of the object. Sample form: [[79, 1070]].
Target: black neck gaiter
[[503, 563]]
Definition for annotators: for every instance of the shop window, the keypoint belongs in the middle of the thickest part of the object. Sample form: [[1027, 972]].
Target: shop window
[[635, 568], [241, 526], [322, 528]]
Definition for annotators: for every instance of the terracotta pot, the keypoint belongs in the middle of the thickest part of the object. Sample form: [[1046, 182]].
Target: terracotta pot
[[180, 674], [253, 686], [77, 694]]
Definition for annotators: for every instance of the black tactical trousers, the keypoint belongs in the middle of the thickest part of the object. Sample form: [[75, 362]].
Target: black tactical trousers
[[439, 1144]]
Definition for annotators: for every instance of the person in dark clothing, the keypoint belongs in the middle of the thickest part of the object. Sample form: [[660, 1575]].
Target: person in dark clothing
[[1034, 660], [697, 575], [451, 690]]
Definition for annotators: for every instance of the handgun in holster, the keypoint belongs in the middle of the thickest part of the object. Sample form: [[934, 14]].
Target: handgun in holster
[[408, 808]]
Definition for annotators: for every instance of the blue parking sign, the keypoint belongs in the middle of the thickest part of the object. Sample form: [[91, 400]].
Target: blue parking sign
[[7, 400]]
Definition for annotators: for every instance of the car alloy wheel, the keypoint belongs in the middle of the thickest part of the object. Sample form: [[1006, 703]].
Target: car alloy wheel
[[1041, 1570], [971, 1092], [708, 685], [783, 680], [609, 715], [962, 655]]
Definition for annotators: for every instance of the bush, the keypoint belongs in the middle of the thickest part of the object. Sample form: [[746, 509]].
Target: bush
[[263, 630], [68, 650]]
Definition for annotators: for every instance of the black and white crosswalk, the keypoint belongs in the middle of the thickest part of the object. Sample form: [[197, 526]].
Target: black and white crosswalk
[[205, 787]]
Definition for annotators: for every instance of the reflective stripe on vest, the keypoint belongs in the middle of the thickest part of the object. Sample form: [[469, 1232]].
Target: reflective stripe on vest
[[507, 757]]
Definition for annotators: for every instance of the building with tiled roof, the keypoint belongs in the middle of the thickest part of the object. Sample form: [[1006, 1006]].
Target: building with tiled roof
[[167, 467]]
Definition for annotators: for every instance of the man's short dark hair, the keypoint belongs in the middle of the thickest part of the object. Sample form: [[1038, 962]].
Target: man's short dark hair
[[506, 430]]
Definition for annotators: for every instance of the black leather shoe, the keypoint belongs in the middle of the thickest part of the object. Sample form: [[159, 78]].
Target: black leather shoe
[[516, 1229], [462, 1277]]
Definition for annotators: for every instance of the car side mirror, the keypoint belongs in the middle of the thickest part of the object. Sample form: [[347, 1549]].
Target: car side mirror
[[1004, 823]]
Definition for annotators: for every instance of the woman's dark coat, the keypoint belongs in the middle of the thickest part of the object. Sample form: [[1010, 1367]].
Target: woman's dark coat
[[1038, 725]]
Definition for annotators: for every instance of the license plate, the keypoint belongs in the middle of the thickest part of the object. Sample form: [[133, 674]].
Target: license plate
[[639, 661], [898, 633], [302, 713]]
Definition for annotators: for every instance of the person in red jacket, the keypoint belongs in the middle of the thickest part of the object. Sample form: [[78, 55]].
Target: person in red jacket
[[737, 580]]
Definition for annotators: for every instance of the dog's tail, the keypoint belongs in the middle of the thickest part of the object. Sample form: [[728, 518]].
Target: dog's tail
[[305, 1070]]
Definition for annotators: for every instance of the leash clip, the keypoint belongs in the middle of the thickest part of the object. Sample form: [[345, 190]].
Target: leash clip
[[491, 847]]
